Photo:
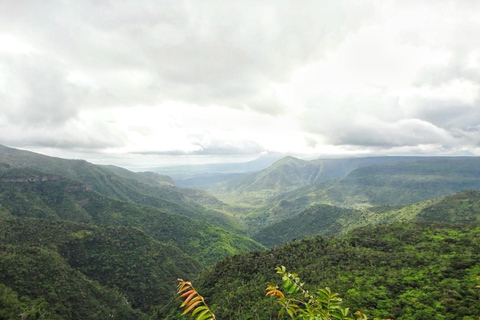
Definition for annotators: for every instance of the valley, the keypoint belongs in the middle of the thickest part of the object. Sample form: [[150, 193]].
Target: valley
[[380, 230]]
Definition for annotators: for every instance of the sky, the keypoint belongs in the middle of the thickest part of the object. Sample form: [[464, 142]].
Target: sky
[[151, 83]]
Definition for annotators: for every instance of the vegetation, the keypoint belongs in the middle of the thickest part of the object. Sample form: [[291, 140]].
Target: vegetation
[[402, 271], [95, 242], [116, 183], [140, 268], [317, 220], [288, 174], [322, 304], [54, 197], [38, 284], [327, 220]]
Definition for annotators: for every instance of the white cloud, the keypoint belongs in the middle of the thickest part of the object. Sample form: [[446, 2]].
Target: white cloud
[[216, 77]]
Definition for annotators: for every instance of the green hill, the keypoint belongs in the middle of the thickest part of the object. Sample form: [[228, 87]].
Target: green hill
[[36, 283], [288, 174], [405, 271], [400, 183], [462, 207], [317, 220], [376, 185], [142, 188], [124, 258], [30, 193]]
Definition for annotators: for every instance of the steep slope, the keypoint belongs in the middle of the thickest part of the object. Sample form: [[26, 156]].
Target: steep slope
[[125, 258], [394, 184], [38, 284], [317, 220], [462, 207], [289, 174], [113, 182], [401, 271], [30, 193]]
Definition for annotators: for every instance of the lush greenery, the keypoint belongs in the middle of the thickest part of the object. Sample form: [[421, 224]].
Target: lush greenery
[[316, 220], [402, 271], [30, 193], [38, 284], [300, 304], [141, 188], [79, 240], [289, 174], [462, 207], [140, 268]]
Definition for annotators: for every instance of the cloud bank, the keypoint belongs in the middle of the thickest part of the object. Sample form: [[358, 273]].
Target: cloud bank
[[240, 78]]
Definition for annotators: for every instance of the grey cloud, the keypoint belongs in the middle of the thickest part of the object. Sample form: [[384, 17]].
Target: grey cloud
[[36, 92], [71, 135], [209, 52], [447, 114]]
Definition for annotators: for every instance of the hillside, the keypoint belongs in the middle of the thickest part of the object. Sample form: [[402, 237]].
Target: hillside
[[327, 220], [142, 188], [36, 283], [402, 271], [288, 174], [317, 220], [30, 193], [73, 266], [377, 185]]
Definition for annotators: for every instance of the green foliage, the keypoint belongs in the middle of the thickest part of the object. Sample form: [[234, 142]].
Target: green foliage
[[405, 271], [141, 188], [64, 199], [462, 207], [321, 305], [39, 283], [317, 220], [126, 259], [14, 307], [193, 302]]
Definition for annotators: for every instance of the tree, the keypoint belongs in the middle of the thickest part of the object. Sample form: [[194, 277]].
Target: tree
[[300, 304]]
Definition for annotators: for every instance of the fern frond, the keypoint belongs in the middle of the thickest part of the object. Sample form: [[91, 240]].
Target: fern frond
[[194, 301]]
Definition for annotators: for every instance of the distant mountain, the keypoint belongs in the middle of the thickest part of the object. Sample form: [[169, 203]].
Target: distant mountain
[[394, 184], [31, 193], [145, 188], [289, 174], [184, 172], [327, 220]]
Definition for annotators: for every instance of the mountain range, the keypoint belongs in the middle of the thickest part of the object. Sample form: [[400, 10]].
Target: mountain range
[[123, 237]]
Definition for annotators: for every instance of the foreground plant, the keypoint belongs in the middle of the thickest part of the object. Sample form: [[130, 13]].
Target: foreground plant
[[193, 302], [321, 305]]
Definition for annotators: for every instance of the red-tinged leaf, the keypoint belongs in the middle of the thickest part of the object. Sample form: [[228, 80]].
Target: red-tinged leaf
[[187, 293], [191, 307], [186, 286], [197, 298], [193, 294]]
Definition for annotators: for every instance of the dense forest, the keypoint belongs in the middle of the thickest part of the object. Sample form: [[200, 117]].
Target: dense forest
[[401, 271], [396, 237]]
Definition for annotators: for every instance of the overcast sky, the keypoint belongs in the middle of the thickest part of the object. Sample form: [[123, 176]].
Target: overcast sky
[[140, 83]]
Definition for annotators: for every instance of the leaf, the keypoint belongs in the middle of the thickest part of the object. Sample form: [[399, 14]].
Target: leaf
[[192, 295], [197, 310], [191, 307]]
